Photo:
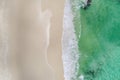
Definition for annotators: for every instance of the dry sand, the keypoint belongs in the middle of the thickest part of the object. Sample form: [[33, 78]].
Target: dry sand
[[35, 33]]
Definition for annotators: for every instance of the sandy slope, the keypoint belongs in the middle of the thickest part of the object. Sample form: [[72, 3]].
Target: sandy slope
[[32, 55], [55, 47]]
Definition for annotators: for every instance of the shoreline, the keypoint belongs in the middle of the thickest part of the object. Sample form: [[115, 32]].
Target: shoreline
[[70, 48]]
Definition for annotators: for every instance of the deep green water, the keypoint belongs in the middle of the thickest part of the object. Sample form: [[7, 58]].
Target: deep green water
[[99, 43]]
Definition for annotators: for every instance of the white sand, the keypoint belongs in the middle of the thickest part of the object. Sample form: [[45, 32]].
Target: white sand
[[34, 54]]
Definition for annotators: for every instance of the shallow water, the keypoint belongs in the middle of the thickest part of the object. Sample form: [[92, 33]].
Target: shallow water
[[69, 44], [98, 27]]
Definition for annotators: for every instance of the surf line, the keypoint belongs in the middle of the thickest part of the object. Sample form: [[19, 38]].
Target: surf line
[[70, 53]]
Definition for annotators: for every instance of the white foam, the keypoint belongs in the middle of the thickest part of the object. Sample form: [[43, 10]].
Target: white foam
[[69, 45], [81, 77]]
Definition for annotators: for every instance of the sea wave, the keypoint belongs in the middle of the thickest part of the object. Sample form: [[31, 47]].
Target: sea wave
[[69, 45]]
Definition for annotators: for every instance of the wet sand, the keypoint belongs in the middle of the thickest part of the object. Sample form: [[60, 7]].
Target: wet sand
[[35, 32], [55, 46]]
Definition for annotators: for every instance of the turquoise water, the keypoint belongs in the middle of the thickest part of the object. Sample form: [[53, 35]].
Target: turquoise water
[[98, 34]]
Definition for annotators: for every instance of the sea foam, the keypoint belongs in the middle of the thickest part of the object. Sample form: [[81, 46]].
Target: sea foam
[[69, 45]]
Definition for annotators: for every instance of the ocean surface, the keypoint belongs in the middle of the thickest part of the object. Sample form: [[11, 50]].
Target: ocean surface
[[97, 38]]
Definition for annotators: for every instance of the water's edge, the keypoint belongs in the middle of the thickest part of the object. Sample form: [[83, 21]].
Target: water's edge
[[69, 45]]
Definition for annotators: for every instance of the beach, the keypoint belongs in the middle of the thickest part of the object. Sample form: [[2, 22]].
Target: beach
[[55, 44], [34, 32]]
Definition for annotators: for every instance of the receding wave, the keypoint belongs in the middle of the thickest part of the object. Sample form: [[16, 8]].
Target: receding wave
[[69, 42]]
